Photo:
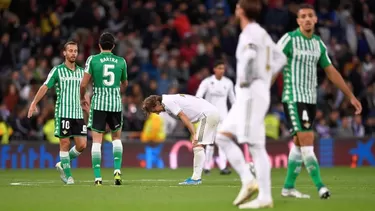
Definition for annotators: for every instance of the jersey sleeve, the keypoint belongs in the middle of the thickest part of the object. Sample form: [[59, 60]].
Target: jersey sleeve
[[284, 44], [324, 60], [172, 106], [124, 74], [52, 78], [231, 94], [88, 68], [202, 89], [279, 59]]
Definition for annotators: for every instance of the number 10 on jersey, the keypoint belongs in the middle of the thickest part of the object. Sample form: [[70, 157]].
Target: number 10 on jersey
[[108, 75]]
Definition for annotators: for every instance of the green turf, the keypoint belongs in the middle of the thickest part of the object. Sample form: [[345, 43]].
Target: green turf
[[154, 190]]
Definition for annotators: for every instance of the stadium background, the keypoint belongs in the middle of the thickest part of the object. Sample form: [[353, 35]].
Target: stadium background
[[170, 46]]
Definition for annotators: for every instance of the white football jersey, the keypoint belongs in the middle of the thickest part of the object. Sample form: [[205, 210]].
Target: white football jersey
[[193, 107], [217, 92], [258, 57]]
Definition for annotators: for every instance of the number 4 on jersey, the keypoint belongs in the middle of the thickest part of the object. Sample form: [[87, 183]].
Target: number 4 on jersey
[[108, 74], [305, 116]]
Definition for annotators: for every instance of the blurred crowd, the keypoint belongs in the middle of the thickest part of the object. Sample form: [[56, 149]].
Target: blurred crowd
[[170, 46]]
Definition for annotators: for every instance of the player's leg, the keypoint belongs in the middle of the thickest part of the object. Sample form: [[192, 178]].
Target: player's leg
[[209, 158], [97, 127], [306, 137], [65, 161], [115, 121], [199, 156], [225, 139], [253, 132], [80, 138], [295, 155], [222, 162], [63, 132]]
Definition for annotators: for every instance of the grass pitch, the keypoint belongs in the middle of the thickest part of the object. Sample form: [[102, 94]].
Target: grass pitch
[[158, 190]]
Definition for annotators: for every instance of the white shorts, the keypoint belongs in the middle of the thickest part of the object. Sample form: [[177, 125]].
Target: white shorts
[[207, 128], [245, 119]]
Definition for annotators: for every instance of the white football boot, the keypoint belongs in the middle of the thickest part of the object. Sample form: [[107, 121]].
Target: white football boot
[[246, 192], [62, 174], [294, 193]]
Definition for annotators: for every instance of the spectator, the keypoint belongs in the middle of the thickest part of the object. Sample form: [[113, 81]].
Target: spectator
[[345, 130], [358, 128]]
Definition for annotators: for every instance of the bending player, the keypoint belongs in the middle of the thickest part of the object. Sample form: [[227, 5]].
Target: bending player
[[217, 89], [108, 72], [189, 109], [305, 51], [69, 121], [258, 60]]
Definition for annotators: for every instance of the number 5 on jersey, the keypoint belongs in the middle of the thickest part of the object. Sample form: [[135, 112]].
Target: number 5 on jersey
[[108, 75]]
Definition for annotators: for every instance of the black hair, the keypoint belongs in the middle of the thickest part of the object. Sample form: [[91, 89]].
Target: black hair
[[107, 41]]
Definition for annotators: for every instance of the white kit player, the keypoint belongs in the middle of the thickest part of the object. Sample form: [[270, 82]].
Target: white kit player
[[189, 109], [217, 89], [258, 60]]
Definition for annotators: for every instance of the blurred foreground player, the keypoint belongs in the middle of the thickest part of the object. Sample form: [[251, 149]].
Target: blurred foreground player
[[258, 61]]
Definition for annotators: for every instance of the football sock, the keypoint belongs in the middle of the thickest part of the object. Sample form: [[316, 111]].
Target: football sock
[[312, 165], [65, 163], [262, 166], [117, 154], [73, 153], [96, 156], [294, 167], [209, 156], [198, 162], [222, 159], [235, 158]]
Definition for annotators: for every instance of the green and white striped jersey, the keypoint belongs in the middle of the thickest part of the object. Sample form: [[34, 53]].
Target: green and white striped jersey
[[67, 83], [107, 71], [300, 74]]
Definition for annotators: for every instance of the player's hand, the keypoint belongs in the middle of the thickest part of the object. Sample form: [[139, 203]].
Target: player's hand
[[85, 105], [194, 141], [357, 105], [32, 109]]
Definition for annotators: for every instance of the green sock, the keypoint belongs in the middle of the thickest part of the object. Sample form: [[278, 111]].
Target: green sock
[[73, 153], [312, 166], [117, 154], [96, 157], [294, 168], [65, 163]]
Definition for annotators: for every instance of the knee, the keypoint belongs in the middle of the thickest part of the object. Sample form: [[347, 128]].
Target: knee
[[64, 144], [80, 146]]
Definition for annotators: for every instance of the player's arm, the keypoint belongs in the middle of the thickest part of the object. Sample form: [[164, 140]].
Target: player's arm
[[187, 123], [335, 77], [49, 83], [231, 95], [202, 89], [86, 78], [280, 53], [124, 75]]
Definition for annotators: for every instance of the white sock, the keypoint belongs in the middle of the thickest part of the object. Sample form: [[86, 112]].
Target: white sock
[[222, 161], [263, 170], [73, 153], [295, 153], [209, 156], [117, 155], [199, 159], [235, 158]]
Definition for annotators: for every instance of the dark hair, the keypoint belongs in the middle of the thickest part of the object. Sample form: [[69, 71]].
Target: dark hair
[[252, 8], [69, 43], [150, 102], [107, 41], [218, 62], [305, 6]]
